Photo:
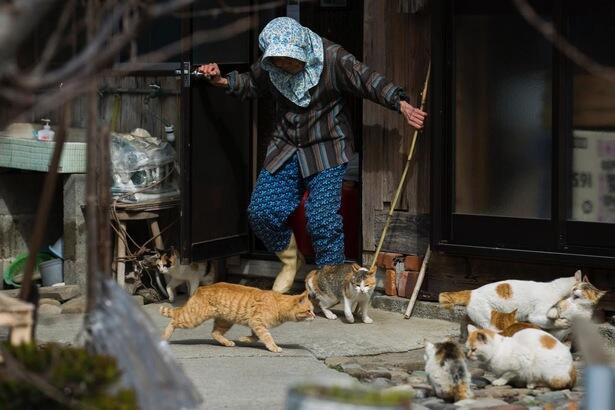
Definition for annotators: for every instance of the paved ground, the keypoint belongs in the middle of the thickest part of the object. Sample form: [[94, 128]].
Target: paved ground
[[249, 376]]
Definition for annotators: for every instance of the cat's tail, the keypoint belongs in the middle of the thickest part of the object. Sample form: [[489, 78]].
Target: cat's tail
[[169, 312], [449, 299]]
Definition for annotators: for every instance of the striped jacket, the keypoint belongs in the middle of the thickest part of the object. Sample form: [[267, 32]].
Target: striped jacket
[[320, 134]]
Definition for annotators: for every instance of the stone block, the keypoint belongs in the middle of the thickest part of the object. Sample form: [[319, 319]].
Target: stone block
[[49, 301], [76, 305], [388, 260], [61, 293], [390, 282], [47, 310], [413, 263], [406, 281]]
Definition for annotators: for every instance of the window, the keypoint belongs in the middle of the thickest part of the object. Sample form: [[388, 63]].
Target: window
[[524, 139]]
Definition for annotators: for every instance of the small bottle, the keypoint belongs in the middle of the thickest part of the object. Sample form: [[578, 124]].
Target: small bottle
[[170, 133], [46, 134]]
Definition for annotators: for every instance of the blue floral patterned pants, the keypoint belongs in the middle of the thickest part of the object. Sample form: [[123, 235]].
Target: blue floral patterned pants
[[277, 195]]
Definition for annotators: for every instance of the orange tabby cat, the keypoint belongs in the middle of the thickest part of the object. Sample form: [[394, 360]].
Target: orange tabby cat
[[230, 304]]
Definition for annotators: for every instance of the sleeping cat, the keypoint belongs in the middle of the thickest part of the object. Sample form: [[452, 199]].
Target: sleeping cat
[[532, 300], [176, 274], [351, 284], [229, 304], [530, 357], [447, 371], [581, 303]]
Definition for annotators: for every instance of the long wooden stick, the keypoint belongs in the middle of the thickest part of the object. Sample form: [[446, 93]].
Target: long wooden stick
[[419, 283], [402, 181]]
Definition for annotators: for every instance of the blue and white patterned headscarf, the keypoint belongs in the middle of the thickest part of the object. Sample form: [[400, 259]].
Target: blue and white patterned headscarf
[[284, 37]]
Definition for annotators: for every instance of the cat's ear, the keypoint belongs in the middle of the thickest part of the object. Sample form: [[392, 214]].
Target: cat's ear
[[600, 294], [514, 313], [471, 328], [373, 270], [578, 276], [480, 336], [355, 267], [585, 279], [303, 298]]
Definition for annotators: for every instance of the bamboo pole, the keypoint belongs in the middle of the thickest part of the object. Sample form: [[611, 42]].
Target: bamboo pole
[[402, 180], [419, 283]]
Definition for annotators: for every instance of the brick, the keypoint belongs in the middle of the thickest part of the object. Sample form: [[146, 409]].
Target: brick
[[387, 260], [406, 282], [413, 262], [390, 282]]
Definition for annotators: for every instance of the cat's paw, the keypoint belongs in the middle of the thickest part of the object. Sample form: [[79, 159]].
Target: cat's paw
[[552, 313], [562, 323], [499, 382], [248, 339], [330, 315], [350, 318], [368, 319], [274, 349], [228, 343]]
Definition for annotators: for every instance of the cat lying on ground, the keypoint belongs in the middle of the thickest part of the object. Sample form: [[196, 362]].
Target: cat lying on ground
[[351, 284], [447, 371], [530, 357], [176, 274], [532, 300], [230, 304]]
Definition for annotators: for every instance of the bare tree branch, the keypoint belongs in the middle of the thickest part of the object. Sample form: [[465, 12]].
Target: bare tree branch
[[548, 30]]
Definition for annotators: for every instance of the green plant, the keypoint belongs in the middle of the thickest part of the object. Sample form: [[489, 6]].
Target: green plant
[[54, 377]]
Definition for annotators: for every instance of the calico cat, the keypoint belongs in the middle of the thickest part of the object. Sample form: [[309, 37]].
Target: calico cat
[[176, 274], [447, 371], [581, 303], [351, 284], [532, 300], [507, 325], [530, 357], [229, 304]]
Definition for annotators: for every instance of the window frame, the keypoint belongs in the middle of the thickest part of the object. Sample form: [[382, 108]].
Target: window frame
[[554, 240]]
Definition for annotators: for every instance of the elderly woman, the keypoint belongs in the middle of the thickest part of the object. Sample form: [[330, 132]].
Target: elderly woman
[[307, 76]]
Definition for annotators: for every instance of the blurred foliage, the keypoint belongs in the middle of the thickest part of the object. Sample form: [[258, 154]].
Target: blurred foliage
[[81, 379]]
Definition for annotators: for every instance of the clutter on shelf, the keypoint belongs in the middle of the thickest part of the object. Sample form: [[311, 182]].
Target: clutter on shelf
[[143, 167]]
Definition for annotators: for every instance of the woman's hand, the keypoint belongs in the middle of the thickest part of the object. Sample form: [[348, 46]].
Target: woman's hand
[[414, 116], [212, 71]]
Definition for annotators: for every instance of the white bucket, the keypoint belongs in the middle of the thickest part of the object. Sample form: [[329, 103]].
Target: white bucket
[[51, 272]]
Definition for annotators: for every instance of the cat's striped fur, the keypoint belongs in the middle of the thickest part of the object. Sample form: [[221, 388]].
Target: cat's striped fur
[[230, 304]]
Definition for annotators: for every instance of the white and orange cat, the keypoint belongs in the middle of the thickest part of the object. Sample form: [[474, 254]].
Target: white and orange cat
[[350, 284], [176, 274], [229, 304], [530, 357], [581, 303], [531, 300]]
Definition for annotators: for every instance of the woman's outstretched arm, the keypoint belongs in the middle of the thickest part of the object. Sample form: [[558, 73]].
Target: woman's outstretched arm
[[250, 84]]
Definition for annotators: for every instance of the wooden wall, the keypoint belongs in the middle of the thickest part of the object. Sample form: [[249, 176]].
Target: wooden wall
[[397, 45], [133, 112]]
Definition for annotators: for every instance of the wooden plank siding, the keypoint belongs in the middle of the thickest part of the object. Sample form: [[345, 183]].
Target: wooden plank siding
[[399, 49]]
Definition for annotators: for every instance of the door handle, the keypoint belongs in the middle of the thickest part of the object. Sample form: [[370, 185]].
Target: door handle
[[187, 73]]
